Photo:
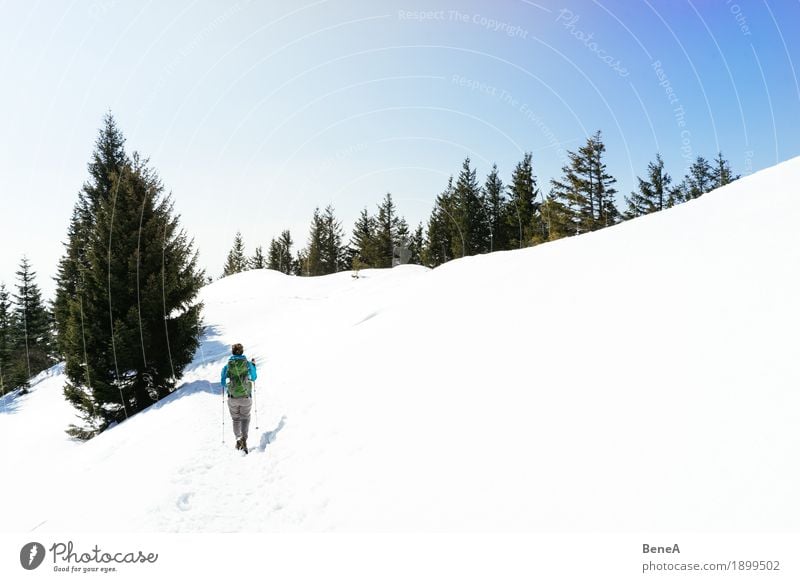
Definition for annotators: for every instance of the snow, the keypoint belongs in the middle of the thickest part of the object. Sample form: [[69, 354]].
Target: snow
[[643, 377]]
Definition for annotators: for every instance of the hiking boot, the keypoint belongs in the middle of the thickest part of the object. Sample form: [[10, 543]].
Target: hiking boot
[[238, 444], [244, 446]]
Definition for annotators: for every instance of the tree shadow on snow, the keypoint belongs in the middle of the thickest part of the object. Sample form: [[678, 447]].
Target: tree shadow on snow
[[188, 390], [12, 400], [270, 435], [210, 349], [9, 404]]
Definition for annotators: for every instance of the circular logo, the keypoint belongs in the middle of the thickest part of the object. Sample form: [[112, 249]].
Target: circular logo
[[31, 555]]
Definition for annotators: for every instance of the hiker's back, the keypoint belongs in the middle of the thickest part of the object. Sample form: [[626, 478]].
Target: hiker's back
[[240, 385]]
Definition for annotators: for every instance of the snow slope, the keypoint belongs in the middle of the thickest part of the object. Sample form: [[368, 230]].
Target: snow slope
[[644, 377]]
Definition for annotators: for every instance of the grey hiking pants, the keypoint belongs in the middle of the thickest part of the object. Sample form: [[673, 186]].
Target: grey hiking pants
[[240, 413]]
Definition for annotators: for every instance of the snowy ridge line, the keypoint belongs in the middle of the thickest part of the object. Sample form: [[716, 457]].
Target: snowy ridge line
[[559, 388]]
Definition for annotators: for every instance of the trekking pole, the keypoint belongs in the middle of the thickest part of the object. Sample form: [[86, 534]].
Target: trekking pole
[[223, 415], [255, 402]]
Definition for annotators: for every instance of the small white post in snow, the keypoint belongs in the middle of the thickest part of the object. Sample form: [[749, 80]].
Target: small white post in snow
[[401, 254]]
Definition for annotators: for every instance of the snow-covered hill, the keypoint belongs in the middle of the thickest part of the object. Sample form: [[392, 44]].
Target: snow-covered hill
[[641, 377]]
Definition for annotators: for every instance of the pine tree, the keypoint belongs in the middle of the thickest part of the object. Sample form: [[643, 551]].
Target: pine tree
[[273, 255], [237, 261], [69, 271], [332, 251], [364, 244], [33, 341], [557, 217], [107, 161], [523, 218], [386, 223], [403, 234], [495, 202], [675, 195], [280, 255], [311, 257], [653, 194], [584, 199], [602, 184], [698, 181], [417, 246], [257, 261], [569, 203], [469, 214], [136, 323], [286, 243], [7, 381], [299, 263], [721, 173], [439, 238]]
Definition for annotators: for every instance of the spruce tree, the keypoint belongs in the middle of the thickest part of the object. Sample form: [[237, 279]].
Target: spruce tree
[[285, 241], [364, 244], [299, 263], [273, 255], [602, 185], [68, 277], [557, 217], [107, 161], [523, 219], [569, 203], [257, 261], [721, 173], [583, 200], [403, 234], [311, 257], [332, 251], [699, 180], [136, 324], [237, 261], [653, 194], [33, 341], [386, 223], [280, 254], [402, 239], [439, 239], [495, 202], [469, 215], [7, 381], [108, 158], [417, 246]]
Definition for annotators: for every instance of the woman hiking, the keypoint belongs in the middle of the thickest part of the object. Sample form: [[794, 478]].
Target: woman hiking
[[241, 374]]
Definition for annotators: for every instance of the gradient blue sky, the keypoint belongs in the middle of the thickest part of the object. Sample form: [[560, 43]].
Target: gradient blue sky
[[256, 112]]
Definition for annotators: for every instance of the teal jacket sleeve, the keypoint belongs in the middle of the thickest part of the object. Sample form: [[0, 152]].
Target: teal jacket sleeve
[[253, 372], [224, 375]]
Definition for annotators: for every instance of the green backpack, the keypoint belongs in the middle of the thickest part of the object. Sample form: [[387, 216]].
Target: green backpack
[[239, 374]]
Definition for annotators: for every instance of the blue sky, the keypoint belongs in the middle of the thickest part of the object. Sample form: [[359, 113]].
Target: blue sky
[[254, 112]]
